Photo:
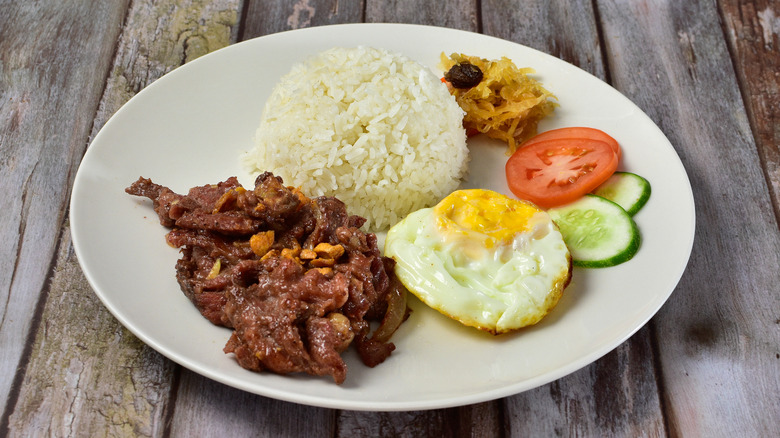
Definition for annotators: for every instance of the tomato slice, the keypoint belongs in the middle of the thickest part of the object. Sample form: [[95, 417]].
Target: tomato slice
[[575, 132], [555, 172]]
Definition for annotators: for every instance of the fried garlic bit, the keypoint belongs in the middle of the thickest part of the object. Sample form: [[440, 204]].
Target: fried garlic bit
[[228, 199], [215, 269], [322, 257], [261, 242], [328, 251]]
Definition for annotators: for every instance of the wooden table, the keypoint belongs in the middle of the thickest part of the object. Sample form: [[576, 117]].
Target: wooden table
[[708, 364]]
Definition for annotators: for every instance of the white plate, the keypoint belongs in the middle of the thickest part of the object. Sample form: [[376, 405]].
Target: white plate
[[189, 127]]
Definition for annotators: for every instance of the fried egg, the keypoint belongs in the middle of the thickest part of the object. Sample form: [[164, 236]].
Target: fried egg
[[482, 258]]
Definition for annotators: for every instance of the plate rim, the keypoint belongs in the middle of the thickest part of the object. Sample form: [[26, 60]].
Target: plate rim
[[324, 402]]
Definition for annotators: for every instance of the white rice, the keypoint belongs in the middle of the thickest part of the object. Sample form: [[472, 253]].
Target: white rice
[[373, 128]]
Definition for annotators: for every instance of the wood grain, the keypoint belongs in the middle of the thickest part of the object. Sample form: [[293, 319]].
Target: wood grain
[[205, 408], [718, 332], [478, 420], [457, 14], [565, 29], [160, 36], [272, 16], [615, 396], [50, 85], [753, 32], [100, 380]]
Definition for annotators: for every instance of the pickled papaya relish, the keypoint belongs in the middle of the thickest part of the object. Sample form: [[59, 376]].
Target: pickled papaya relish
[[505, 104]]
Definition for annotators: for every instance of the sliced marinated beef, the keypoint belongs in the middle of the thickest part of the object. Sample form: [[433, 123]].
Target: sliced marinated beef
[[280, 322], [295, 278]]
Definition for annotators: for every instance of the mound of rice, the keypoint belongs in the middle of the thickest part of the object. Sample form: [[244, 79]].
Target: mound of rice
[[373, 128]]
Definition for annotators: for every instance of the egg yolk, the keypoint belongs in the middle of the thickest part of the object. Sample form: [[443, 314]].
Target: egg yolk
[[490, 214], [482, 258]]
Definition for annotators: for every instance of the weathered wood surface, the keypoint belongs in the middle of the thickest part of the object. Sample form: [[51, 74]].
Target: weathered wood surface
[[106, 382], [706, 365], [719, 330], [753, 35], [50, 84]]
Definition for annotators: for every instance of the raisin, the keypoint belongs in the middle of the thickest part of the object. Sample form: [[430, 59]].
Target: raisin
[[464, 75]]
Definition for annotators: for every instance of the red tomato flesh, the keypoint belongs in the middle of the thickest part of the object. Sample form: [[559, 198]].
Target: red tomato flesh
[[555, 172], [575, 132]]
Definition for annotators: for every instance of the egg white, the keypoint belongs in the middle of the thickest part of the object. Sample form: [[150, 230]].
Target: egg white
[[494, 282]]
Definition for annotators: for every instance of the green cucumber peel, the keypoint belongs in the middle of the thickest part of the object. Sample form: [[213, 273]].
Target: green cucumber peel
[[598, 232], [626, 189]]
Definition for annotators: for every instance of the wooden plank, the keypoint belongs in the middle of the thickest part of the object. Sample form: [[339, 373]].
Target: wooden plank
[[50, 84], [753, 32], [88, 375], [566, 30], [717, 335], [457, 14], [111, 384], [160, 36], [478, 420], [205, 408], [267, 17], [617, 394]]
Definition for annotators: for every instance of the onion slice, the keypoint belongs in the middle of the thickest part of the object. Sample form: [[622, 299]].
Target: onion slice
[[396, 312]]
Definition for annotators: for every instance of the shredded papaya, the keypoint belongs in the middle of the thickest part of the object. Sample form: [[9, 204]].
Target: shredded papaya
[[506, 104]]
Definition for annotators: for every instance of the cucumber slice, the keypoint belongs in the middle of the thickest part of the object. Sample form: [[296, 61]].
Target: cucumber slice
[[598, 232], [626, 189]]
